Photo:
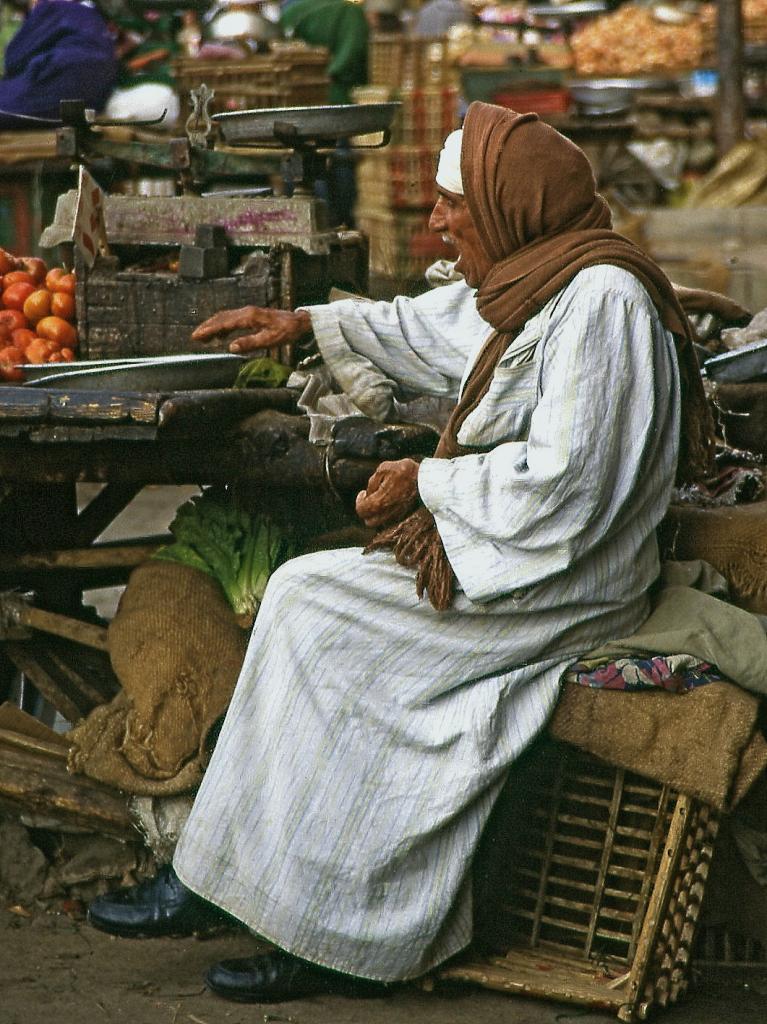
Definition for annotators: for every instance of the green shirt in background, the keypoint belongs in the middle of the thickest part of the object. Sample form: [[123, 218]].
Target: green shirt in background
[[340, 26]]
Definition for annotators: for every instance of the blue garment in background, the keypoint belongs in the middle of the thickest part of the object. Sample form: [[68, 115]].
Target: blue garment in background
[[62, 50]]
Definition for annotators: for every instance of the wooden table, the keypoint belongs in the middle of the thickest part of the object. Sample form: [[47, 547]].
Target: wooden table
[[51, 440]]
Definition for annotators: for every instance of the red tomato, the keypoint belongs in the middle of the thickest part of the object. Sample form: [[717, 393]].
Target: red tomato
[[11, 359], [65, 283], [37, 351], [67, 355], [55, 357], [16, 276], [37, 305], [11, 373], [63, 305], [53, 275], [11, 354], [13, 318], [7, 262], [17, 294], [53, 328], [35, 267], [22, 336]]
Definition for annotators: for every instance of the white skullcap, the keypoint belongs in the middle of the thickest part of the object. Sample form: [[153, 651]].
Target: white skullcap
[[449, 167]]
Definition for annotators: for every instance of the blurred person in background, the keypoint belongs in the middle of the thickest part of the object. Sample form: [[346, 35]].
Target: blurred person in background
[[437, 17], [344, 29], [146, 42], [384, 15], [63, 50]]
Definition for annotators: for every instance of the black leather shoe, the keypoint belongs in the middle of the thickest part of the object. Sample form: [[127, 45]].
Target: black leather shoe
[[278, 977], [161, 906]]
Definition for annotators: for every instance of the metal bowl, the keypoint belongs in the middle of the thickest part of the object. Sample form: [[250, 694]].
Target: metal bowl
[[183, 372], [601, 100], [279, 124], [614, 95]]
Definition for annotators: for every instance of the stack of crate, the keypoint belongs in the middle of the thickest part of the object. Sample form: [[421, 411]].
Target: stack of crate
[[395, 184], [288, 75]]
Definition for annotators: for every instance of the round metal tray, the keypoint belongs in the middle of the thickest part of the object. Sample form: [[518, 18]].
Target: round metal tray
[[304, 124], [184, 372]]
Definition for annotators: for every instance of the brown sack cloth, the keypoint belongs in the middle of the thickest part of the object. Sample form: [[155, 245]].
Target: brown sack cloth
[[705, 743], [177, 651], [732, 539]]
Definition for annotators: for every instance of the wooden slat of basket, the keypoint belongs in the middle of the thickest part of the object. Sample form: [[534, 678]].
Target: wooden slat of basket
[[589, 908], [606, 857], [658, 901], [621, 871], [574, 862], [537, 973], [581, 821], [576, 884], [549, 849]]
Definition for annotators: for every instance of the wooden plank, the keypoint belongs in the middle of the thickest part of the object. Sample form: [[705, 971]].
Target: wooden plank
[[33, 782], [103, 406], [731, 104], [101, 511], [75, 678], [17, 403], [601, 882], [659, 898], [548, 850], [13, 719], [58, 434], [98, 557], [20, 740], [48, 687], [190, 409], [64, 626]]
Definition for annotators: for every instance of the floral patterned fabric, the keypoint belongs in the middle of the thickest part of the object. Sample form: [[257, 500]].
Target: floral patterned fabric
[[677, 673]]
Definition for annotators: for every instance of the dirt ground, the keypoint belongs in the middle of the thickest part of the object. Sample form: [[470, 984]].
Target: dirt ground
[[61, 971]]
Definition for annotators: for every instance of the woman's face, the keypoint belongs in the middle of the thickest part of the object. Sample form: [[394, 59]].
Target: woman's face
[[451, 218]]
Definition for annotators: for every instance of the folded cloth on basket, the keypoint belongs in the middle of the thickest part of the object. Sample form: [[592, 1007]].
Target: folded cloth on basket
[[733, 540], [708, 745]]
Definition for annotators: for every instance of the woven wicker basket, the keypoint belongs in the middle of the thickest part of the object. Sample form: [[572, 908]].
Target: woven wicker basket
[[426, 117], [391, 237], [398, 177], [407, 63], [289, 77], [596, 897]]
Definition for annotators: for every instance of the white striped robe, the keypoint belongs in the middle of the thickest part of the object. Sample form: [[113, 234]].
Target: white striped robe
[[369, 735]]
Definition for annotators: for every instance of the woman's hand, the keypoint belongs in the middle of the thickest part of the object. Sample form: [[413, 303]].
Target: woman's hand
[[270, 327], [391, 494]]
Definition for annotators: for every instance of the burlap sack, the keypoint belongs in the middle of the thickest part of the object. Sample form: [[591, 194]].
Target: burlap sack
[[177, 650], [732, 539], [706, 743]]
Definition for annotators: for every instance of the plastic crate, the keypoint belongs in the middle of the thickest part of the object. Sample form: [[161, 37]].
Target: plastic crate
[[289, 77], [595, 896], [406, 63], [536, 101]]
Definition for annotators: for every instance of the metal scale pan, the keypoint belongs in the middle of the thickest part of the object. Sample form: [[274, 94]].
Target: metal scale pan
[[304, 124]]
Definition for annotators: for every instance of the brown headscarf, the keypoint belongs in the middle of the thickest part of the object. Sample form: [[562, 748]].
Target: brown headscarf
[[532, 196]]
